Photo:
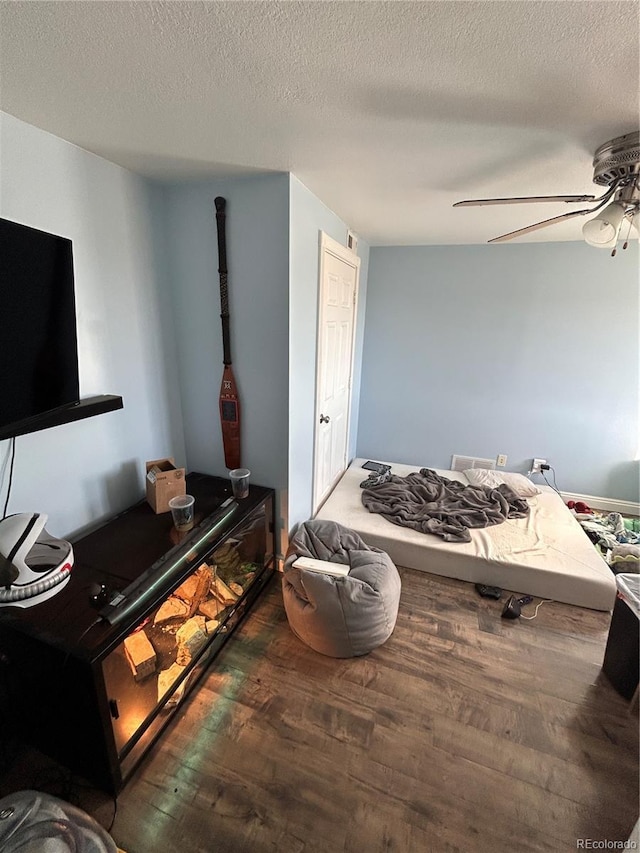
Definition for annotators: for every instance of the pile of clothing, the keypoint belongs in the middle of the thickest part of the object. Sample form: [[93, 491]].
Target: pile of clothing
[[617, 538]]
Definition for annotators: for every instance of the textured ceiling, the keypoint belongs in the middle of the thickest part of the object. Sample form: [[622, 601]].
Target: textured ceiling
[[387, 111]]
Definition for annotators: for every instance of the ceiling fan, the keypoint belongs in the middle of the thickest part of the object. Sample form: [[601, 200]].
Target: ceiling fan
[[616, 165]]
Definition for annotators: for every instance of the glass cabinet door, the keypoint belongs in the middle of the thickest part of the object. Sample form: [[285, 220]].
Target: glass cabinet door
[[147, 674]]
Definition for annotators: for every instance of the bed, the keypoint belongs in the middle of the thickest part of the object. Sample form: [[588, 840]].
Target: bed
[[545, 554]]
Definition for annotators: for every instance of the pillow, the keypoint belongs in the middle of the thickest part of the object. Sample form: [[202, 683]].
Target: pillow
[[521, 485]]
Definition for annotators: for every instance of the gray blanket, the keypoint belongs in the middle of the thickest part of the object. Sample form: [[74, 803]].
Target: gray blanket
[[427, 502]]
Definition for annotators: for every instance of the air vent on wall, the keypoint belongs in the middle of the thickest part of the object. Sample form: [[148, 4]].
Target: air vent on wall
[[462, 463]]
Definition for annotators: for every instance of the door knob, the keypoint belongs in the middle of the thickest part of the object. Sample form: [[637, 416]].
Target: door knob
[[324, 419]]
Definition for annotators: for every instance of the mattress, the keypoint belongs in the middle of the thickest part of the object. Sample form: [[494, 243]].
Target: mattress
[[546, 554]]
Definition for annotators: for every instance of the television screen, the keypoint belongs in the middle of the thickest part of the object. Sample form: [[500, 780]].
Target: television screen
[[38, 341]]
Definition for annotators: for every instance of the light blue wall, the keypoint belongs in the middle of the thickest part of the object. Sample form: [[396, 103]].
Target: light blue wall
[[258, 263], [149, 327], [309, 216], [273, 228], [528, 350], [81, 472]]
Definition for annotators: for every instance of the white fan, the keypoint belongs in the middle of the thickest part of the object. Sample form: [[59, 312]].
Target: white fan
[[616, 165]]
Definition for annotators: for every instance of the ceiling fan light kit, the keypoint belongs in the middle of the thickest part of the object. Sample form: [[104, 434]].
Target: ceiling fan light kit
[[602, 231], [616, 165]]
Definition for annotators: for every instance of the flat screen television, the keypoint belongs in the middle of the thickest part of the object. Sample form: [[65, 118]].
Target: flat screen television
[[39, 373]]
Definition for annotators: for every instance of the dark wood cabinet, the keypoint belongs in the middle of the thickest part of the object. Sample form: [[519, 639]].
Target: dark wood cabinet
[[78, 687]]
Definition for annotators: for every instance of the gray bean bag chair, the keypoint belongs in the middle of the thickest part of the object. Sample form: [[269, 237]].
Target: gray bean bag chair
[[340, 616], [33, 822]]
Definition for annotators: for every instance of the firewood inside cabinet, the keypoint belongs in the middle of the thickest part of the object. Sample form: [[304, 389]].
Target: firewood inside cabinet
[[195, 589], [190, 638], [211, 609], [166, 680], [140, 654], [227, 560], [222, 592], [235, 587], [172, 608]]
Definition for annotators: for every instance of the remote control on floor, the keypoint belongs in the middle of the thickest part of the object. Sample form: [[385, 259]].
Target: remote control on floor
[[489, 591]]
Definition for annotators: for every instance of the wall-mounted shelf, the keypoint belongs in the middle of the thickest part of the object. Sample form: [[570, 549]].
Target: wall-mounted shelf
[[81, 409]]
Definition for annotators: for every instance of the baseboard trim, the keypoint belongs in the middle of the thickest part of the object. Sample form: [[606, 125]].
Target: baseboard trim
[[604, 504]]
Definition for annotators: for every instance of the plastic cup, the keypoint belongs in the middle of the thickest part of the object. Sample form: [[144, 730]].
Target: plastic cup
[[182, 510], [240, 482]]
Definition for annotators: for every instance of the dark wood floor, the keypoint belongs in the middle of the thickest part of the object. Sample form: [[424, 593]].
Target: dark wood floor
[[464, 732]]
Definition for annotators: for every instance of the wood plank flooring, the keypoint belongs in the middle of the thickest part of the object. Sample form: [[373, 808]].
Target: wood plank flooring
[[464, 732]]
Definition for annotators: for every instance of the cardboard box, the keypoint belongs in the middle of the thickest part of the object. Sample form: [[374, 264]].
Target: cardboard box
[[164, 481]]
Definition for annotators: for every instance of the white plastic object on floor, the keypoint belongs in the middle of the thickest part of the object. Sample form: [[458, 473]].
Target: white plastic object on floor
[[324, 566]]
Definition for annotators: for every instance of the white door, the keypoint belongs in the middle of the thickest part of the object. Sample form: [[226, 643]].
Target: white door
[[338, 288]]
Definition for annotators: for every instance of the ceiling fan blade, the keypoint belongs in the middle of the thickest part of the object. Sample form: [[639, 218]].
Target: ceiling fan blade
[[537, 225], [570, 199]]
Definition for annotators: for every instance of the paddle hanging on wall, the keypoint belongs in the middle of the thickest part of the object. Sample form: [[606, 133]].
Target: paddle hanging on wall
[[229, 401]]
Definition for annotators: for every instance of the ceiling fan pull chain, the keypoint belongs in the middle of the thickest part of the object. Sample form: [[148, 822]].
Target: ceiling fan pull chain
[[626, 242]]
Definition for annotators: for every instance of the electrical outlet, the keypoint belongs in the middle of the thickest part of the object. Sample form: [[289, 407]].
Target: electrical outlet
[[535, 465], [501, 460]]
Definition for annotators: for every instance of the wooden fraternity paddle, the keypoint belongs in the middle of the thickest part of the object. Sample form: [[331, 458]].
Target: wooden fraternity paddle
[[229, 401]]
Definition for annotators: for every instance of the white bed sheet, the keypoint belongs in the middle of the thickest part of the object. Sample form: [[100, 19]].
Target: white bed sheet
[[546, 554]]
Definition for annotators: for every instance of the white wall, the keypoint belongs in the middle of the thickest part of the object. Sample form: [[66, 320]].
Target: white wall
[[84, 471], [527, 350], [309, 216]]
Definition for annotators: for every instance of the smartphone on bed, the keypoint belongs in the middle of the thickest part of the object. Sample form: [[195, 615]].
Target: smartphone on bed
[[378, 467]]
